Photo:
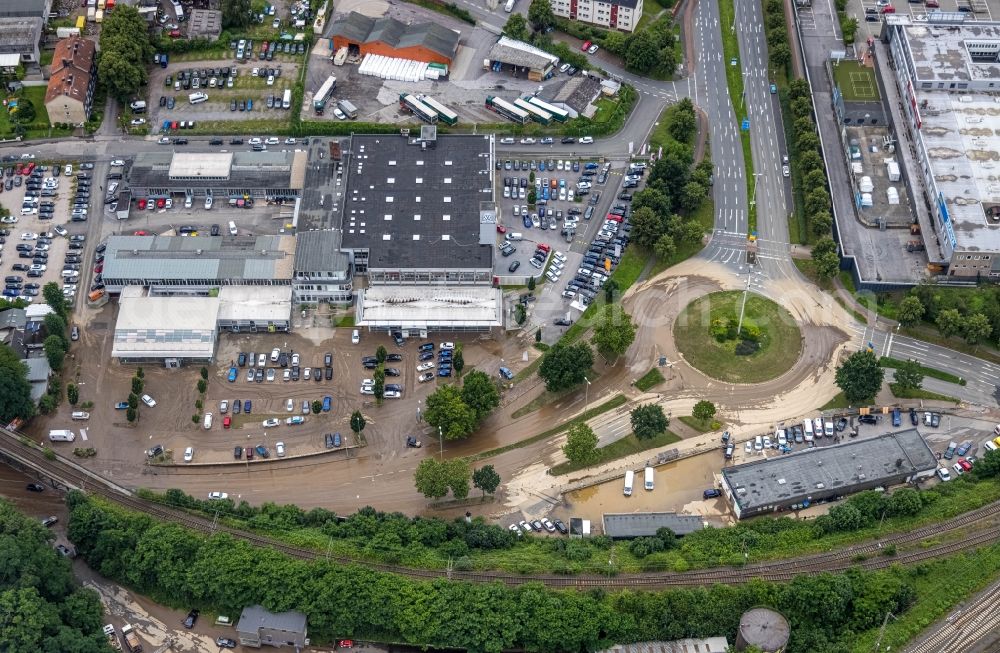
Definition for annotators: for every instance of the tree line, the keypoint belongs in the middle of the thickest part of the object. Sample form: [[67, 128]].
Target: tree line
[[41, 606], [971, 313], [162, 559]]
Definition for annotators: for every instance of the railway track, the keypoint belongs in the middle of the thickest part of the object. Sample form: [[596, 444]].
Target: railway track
[[960, 630], [866, 556]]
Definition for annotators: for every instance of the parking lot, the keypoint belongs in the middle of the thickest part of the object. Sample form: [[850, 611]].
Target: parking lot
[[249, 92], [39, 239]]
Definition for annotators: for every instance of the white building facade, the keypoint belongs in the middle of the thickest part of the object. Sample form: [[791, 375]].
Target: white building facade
[[623, 15]]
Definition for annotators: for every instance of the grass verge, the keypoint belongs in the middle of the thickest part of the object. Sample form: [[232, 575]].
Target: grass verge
[[619, 449], [700, 425], [808, 269], [650, 379], [918, 393], [734, 80], [857, 316], [886, 361], [346, 321], [549, 397], [629, 268], [610, 404], [779, 341], [838, 401]]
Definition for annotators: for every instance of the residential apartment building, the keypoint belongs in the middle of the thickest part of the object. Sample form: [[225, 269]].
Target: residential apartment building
[[622, 15], [70, 93]]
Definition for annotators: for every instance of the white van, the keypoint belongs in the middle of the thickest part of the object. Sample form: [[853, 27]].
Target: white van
[[758, 443], [208, 421], [807, 429], [649, 478], [197, 98], [232, 228], [62, 435], [515, 236], [629, 480], [80, 415], [818, 427], [990, 445]]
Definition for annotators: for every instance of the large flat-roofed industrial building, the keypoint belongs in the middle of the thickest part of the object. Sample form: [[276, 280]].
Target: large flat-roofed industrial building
[[195, 265], [418, 220], [224, 175], [947, 70], [814, 475]]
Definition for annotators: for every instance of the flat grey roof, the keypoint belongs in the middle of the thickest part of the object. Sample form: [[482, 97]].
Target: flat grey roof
[[22, 8], [363, 29], [940, 52], [268, 170], [792, 477], [416, 208], [255, 617], [319, 251], [18, 33], [518, 53], [645, 524], [199, 257]]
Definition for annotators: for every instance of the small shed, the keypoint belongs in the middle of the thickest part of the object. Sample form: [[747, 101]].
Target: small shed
[[258, 627]]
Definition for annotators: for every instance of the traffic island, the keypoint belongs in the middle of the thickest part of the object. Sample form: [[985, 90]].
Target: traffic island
[[713, 340]]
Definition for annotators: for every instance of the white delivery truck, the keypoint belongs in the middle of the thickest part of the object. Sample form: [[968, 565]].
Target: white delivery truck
[[629, 480], [807, 429], [509, 7], [649, 478], [61, 435]]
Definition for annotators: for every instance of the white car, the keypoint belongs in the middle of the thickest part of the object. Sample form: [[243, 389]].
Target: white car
[[392, 394], [593, 49], [270, 423], [164, 140], [367, 390], [149, 401], [785, 171], [289, 405], [586, 140], [135, 122], [224, 406], [255, 141], [270, 80], [286, 375], [517, 209], [208, 421], [423, 367], [218, 496], [61, 230], [943, 474], [507, 140], [68, 170], [447, 345], [289, 141], [568, 294], [280, 448], [295, 360], [551, 276], [272, 141], [355, 337], [29, 236], [527, 141], [188, 454], [367, 383], [275, 353]]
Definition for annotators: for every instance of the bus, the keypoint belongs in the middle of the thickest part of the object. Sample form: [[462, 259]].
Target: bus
[[319, 99], [538, 115], [560, 115], [506, 109], [446, 115], [417, 108], [629, 480], [649, 478], [286, 100]]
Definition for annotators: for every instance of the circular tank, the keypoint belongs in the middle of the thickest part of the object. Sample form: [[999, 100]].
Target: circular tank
[[766, 629]]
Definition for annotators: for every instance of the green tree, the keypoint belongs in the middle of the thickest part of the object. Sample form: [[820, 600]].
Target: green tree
[[55, 325], [824, 255], [908, 375], [235, 13], [357, 422], [988, 466], [665, 248], [531, 283], [124, 52], [683, 125], [516, 27], [647, 226], [139, 373], [520, 314], [581, 445], [486, 479], [381, 354], [977, 328], [614, 332], [668, 59], [202, 386], [949, 322], [379, 387], [691, 197], [431, 478], [703, 410], [15, 390], [448, 411], [458, 474], [131, 414], [133, 401], [615, 42], [480, 393], [72, 393], [648, 421], [25, 111], [316, 406], [564, 366], [610, 288], [540, 15], [910, 310], [538, 335], [204, 373], [54, 297], [860, 377], [458, 360], [642, 54], [55, 351], [137, 385]]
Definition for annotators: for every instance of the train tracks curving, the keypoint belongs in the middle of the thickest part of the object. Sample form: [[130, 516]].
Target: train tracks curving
[[867, 555]]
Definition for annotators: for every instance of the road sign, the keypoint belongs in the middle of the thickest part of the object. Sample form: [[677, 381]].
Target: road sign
[[745, 125]]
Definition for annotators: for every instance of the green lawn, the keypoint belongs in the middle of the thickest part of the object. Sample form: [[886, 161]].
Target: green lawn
[[886, 361], [808, 269], [700, 425], [650, 379], [629, 268], [734, 80], [838, 401], [780, 341], [856, 82], [619, 449], [918, 393], [39, 127]]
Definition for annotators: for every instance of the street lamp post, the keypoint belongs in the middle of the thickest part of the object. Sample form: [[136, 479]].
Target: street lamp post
[[441, 443], [743, 305], [586, 394], [753, 195]]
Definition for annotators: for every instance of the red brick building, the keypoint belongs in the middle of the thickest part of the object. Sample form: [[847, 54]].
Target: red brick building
[[389, 37]]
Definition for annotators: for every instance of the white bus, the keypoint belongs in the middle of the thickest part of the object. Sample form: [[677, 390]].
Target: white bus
[[629, 480], [649, 478], [197, 98]]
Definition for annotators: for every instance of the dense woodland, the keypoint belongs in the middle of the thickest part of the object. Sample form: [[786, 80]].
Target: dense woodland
[[42, 609], [223, 574]]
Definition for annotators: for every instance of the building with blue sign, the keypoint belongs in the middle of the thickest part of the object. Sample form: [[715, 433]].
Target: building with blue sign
[[947, 72]]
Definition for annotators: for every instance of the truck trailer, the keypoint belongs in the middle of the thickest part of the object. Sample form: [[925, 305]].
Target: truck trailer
[[132, 643], [349, 109]]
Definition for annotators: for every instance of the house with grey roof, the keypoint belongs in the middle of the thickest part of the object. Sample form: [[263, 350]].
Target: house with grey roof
[[428, 42], [257, 627]]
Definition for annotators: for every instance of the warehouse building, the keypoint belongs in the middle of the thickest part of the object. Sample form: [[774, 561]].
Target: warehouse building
[[197, 265], [946, 71], [427, 42], [521, 57], [322, 271], [622, 15], [800, 479], [227, 176], [258, 627], [419, 221], [622, 526]]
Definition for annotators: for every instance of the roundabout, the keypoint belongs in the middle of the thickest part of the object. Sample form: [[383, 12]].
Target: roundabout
[[712, 339]]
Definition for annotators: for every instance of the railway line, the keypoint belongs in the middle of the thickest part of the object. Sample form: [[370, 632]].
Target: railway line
[[975, 621], [866, 556]]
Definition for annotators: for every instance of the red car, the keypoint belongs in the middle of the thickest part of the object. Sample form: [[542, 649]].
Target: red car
[[501, 229], [160, 203], [545, 248], [142, 205], [888, 9], [173, 125], [966, 465], [141, 233], [29, 169], [175, 33], [586, 46], [99, 269], [227, 422], [249, 452], [616, 218]]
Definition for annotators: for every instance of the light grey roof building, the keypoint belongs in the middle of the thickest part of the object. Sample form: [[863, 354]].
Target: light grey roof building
[[224, 174], [522, 55], [257, 627], [389, 37], [645, 524], [814, 475], [21, 36], [38, 376], [13, 318], [322, 271]]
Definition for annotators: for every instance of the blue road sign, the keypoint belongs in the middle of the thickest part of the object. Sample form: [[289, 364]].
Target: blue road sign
[[745, 125]]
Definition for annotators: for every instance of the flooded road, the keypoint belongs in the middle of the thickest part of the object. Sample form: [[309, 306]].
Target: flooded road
[[678, 487]]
